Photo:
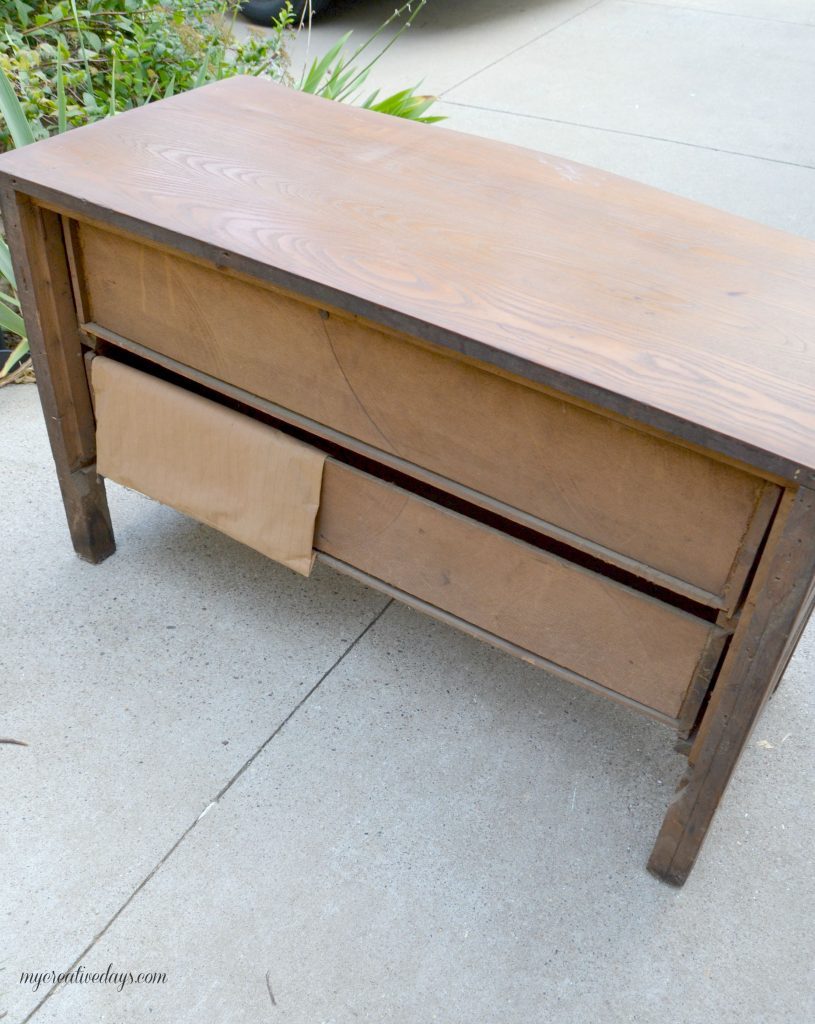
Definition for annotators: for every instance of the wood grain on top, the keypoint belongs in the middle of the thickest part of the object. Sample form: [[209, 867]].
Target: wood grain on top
[[693, 320]]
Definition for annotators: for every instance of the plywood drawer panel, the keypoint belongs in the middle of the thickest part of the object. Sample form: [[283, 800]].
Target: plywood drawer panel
[[650, 500], [624, 640], [198, 456]]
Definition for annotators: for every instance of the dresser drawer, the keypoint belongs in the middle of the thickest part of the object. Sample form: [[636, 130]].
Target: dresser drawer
[[694, 519], [262, 487], [626, 641]]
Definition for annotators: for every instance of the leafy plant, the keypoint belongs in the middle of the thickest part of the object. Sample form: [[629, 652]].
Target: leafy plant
[[10, 319], [103, 56], [336, 76]]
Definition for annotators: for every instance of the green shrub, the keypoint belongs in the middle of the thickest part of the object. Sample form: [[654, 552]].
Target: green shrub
[[116, 54]]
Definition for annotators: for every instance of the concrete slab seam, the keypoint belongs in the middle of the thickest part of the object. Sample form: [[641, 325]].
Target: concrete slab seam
[[634, 135], [210, 804], [523, 46], [723, 14]]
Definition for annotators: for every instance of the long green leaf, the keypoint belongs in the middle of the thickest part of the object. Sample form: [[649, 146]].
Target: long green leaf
[[82, 48], [361, 75], [62, 106], [319, 68], [112, 109], [219, 60], [336, 75], [337, 86], [19, 351], [11, 321], [23, 11], [13, 114], [203, 70], [6, 268], [404, 104], [149, 97]]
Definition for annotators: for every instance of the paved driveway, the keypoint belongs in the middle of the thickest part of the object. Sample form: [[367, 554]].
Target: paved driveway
[[713, 99], [306, 804]]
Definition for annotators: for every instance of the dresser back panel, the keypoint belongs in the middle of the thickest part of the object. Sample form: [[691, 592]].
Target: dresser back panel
[[658, 503]]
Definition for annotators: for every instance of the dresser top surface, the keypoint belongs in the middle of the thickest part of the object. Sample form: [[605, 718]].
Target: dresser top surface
[[696, 321]]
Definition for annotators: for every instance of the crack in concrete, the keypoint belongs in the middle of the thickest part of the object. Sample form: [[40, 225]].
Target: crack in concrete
[[634, 135], [209, 804], [722, 14], [523, 46]]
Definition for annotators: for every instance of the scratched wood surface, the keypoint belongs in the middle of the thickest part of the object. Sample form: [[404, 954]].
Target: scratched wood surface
[[690, 319]]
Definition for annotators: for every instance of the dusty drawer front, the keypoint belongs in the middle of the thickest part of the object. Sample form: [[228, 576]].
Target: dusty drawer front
[[244, 478], [264, 488], [614, 636], [652, 501]]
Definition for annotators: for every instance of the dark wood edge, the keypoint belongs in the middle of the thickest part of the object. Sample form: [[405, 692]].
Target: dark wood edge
[[700, 683], [777, 607], [74, 254], [800, 624], [759, 459], [94, 331], [89, 357], [37, 246], [767, 502], [495, 641], [684, 744]]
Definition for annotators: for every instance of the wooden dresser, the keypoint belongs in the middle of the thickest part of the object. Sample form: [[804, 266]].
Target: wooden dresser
[[568, 413]]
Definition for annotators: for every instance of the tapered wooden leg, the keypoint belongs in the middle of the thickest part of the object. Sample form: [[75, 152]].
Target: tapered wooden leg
[[44, 286], [773, 618]]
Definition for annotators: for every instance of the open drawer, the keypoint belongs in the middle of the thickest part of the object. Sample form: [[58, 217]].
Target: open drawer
[[600, 632]]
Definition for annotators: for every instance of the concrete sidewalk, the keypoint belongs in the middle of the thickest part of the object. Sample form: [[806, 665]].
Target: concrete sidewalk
[[306, 804], [712, 99]]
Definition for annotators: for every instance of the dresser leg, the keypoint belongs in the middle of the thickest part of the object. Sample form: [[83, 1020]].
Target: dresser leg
[[773, 618], [44, 286], [86, 509]]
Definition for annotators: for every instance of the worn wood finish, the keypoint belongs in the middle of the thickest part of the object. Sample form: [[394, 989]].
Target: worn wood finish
[[624, 640], [681, 316], [43, 282], [70, 231], [751, 542], [700, 684], [655, 502], [801, 621], [568, 413], [779, 598], [110, 342]]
